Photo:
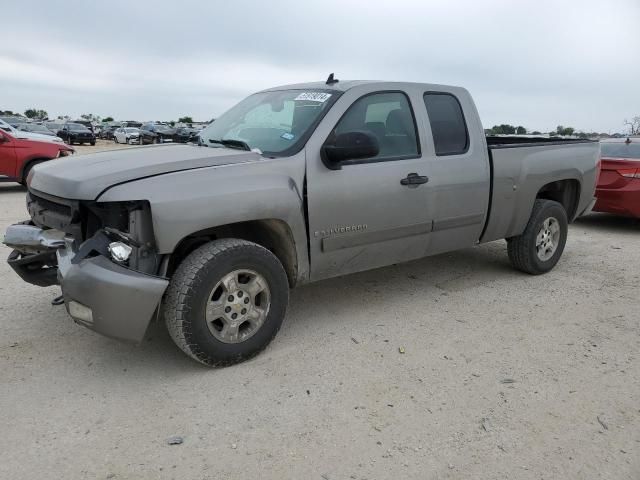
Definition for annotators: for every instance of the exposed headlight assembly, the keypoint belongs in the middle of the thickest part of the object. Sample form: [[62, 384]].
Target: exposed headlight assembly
[[120, 251]]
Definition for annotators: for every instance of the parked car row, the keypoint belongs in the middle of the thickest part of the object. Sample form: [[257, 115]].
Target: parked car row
[[150, 133], [83, 131]]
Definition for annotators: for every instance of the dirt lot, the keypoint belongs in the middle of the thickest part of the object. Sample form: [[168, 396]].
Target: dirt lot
[[100, 146], [504, 376]]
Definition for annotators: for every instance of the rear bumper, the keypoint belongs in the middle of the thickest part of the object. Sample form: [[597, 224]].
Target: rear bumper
[[619, 201], [108, 298]]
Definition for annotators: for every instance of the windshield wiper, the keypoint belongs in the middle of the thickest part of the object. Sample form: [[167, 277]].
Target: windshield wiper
[[238, 144]]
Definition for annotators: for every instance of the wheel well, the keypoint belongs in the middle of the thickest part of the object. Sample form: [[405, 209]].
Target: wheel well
[[565, 192], [28, 164], [272, 234]]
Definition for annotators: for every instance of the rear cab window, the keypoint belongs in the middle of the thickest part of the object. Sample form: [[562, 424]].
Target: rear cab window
[[448, 126]]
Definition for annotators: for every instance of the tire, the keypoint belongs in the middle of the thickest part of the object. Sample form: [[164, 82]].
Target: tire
[[115, 140], [529, 253], [194, 287], [93, 144], [25, 172], [158, 140]]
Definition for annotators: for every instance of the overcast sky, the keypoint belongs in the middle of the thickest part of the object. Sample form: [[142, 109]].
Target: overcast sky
[[532, 63]]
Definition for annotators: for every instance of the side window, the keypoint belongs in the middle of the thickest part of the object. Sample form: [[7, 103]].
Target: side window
[[389, 118], [450, 135]]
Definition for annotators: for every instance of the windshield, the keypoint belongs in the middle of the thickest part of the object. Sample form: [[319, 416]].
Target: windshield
[[131, 130], [275, 123], [77, 127], [621, 150], [162, 128]]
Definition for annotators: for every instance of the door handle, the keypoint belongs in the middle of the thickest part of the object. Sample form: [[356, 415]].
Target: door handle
[[414, 179]]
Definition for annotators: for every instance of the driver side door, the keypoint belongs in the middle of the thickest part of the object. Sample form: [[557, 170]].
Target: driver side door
[[7, 157], [364, 213]]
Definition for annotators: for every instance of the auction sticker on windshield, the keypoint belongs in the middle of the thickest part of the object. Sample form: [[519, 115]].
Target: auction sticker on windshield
[[314, 96]]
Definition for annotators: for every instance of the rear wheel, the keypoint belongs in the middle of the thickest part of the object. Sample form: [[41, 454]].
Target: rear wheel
[[226, 301], [541, 244]]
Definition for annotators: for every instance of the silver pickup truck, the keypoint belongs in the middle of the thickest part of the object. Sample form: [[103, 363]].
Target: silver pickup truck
[[292, 185]]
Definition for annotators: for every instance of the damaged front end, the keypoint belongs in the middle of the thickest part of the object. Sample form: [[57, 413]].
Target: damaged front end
[[34, 255], [101, 254]]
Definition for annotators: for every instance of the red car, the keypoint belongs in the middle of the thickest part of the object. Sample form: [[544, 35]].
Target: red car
[[19, 155], [618, 189]]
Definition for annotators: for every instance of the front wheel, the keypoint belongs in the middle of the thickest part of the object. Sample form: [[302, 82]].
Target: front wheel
[[226, 301], [27, 169], [541, 244]]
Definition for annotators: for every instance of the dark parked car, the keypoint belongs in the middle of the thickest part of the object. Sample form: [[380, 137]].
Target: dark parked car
[[73, 132], [54, 126], [131, 123], [186, 134], [107, 131], [156, 133], [86, 123], [36, 128]]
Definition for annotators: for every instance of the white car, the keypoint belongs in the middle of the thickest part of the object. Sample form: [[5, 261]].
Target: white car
[[28, 135], [128, 135]]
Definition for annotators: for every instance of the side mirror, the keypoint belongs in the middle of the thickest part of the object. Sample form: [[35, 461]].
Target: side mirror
[[352, 145], [3, 139]]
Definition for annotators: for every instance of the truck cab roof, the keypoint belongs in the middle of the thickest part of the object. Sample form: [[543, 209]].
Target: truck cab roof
[[344, 85]]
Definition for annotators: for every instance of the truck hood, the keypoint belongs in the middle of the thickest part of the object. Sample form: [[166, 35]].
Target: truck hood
[[85, 177]]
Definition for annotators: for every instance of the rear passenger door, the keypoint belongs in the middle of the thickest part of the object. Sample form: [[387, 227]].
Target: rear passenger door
[[460, 174], [364, 215]]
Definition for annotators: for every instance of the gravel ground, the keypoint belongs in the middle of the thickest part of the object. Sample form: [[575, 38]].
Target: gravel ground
[[503, 376], [100, 146]]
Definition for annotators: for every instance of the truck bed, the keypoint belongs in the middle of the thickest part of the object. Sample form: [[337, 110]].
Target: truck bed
[[522, 166]]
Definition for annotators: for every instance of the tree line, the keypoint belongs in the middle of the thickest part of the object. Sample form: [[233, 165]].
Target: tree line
[[560, 131]]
